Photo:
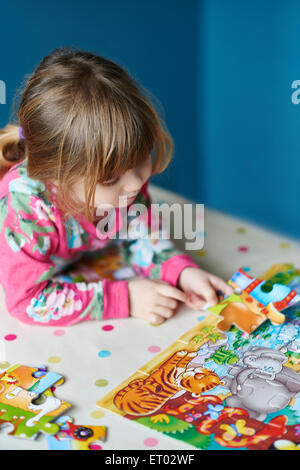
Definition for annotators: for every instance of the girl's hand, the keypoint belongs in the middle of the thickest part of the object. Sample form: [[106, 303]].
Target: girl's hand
[[153, 300], [201, 287]]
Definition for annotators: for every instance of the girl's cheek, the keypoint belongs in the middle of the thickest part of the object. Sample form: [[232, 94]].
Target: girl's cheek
[[105, 196]]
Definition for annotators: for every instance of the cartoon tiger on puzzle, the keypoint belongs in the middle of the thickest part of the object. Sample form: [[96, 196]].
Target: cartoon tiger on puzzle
[[146, 396]]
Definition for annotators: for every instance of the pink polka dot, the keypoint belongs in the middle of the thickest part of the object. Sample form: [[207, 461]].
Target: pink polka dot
[[150, 442], [10, 337], [95, 447], [154, 349], [107, 327], [59, 332], [243, 248]]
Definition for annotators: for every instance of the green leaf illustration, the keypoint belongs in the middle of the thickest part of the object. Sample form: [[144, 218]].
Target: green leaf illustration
[[46, 275], [3, 211], [30, 226], [14, 240], [20, 202], [174, 425]]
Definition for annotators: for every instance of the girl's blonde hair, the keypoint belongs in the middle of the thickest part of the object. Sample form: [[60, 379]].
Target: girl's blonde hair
[[83, 116]]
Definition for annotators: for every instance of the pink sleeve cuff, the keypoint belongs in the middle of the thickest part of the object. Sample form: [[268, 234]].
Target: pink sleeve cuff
[[115, 299], [172, 267]]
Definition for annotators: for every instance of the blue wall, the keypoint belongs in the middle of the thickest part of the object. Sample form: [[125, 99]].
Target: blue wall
[[249, 129], [154, 40], [222, 72]]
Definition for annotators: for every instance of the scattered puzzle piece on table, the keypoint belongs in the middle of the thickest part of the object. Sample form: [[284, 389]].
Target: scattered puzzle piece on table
[[27, 405], [253, 302], [36, 379], [76, 437], [18, 407], [94, 266]]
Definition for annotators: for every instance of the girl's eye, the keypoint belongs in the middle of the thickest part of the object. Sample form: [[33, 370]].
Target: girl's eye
[[110, 183]]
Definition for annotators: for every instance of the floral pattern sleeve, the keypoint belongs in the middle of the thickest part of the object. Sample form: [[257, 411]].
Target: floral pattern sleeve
[[28, 239], [155, 257]]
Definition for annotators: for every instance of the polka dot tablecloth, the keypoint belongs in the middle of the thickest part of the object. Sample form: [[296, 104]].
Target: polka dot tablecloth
[[96, 357]]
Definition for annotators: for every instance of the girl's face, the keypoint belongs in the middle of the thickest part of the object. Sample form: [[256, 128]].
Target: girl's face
[[129, 184]]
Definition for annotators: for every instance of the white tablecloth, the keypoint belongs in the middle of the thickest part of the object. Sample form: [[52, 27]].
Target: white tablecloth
[[230, 243]]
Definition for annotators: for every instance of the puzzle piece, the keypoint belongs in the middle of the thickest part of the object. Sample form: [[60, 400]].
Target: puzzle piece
[[28, 406], [254, 301], [28, 411], [266, 291], [75, 437], [36, 379], [285, 274]]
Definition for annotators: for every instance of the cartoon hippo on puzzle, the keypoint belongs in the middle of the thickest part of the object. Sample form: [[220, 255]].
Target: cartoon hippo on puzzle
[[262, 384]]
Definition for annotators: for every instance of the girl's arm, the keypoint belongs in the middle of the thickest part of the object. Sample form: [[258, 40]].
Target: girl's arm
[[28, 238], [155, 258]]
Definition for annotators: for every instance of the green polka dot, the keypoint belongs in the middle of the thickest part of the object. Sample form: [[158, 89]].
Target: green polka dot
[[101, 382], [97, 414], [201, 252], [54, 359], [284, 245], [4, 365], [241, 230]]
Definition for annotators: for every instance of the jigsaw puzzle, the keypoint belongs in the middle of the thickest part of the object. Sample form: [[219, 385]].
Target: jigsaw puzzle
[[109, 264], [254, 301], [76, 437], [27, 403], [28, 406], [218, 389]]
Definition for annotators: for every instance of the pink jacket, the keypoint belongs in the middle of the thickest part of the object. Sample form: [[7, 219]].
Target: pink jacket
[[35, 246]]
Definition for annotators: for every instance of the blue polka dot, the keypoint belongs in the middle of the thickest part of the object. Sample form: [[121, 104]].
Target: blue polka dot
[[246, 269], [201, 317], [104, 353]]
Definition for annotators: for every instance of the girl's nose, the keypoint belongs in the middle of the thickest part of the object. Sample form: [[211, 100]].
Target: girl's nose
[[133, 184]]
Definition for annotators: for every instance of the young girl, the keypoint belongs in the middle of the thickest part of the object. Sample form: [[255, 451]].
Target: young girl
[[86, 135]]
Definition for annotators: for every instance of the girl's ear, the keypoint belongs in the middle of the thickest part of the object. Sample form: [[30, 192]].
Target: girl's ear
[[12, 148]]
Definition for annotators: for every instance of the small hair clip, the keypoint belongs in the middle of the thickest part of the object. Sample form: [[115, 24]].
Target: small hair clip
[[21, 135]]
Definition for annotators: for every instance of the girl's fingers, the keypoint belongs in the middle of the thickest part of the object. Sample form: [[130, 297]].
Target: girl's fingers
[[195, 301], [164, 311], [169, 291], [221, 285], [166, 302], [205, 297], [155, 319], [196, 305], [209, 294]]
